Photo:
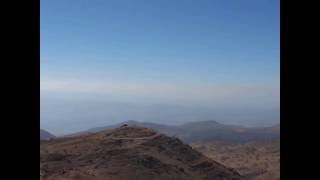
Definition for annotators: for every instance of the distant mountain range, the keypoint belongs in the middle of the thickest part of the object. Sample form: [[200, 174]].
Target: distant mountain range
[[45, 135], [203, 131]]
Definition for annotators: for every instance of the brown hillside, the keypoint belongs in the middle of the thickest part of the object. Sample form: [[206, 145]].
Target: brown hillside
[[254, 160], [127, 153]]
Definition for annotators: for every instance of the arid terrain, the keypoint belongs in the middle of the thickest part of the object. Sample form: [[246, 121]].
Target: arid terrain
[[254, 160], [255, 154], [127, 153]]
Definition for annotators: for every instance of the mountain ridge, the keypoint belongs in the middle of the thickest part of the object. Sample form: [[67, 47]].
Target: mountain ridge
[[125, 153], [202, 131], [45, 135]]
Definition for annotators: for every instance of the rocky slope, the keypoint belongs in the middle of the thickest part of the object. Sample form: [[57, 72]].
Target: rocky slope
[[254, 160], [127, 153]]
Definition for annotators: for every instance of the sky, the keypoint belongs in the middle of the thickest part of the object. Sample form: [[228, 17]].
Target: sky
[[149, 55]]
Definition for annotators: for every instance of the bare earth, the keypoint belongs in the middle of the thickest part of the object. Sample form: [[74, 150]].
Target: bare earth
[[254, 160], [127, 154]]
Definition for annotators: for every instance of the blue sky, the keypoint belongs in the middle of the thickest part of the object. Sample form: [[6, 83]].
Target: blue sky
[[177, 50]]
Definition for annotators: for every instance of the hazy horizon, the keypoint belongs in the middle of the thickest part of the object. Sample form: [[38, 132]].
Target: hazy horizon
[[168, 62], [69, 115]]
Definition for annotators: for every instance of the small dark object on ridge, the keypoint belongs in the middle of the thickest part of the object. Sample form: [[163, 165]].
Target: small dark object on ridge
[[125, 125]]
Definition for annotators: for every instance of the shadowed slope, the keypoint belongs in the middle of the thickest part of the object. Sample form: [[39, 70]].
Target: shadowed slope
[[45, 135]]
